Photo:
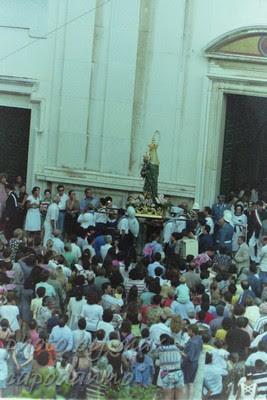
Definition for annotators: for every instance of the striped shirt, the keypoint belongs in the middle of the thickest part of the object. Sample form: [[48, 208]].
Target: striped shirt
[[259, 325], [169, 357], [260, 378], [140, 283]]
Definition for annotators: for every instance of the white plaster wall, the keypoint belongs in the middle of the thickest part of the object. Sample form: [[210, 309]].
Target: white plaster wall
[[111, 72]]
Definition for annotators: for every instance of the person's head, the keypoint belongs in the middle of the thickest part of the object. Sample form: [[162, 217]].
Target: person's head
[[102, 201], [260, 366], [108, 239], [56, 199], [221, 198], [92, 298], [4, 324], [158, 271], [157, 257], [208, 358], [22, 189], [175, 236], [82, 324], [107, 315], [249, 301], [106, 288], [242, 322], [18, 180], [63, 319], [56, 233], [207, 211], [259, 205], [156, 300], [9, 187], [72, 195], [100, 334], [40, 291], [201, 315], [79, 294], [3, 178], [238, 310], [18, 234], [193, 330], [11, 298], [125, 328], [60, 189], [73, 238], [36, 191], [165, 339], [47, 194], [145, 333], [239, 209], [206, 229], [227, 323], [245, 285], [241, 239], [206, 337], [133, 294], [219, 310], [88, 192], [44, 275], [32, 324], [176, 324], [264, 240]]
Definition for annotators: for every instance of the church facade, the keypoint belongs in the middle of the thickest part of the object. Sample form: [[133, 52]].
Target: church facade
[[101, 76]]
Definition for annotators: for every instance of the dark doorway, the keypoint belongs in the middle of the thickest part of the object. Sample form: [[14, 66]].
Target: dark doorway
[[14, 140], [245, 144]]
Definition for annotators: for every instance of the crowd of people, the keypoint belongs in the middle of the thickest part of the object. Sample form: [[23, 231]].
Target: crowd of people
[[83, 313]]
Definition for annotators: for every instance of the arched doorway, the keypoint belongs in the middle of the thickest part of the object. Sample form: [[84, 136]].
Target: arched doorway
[[235, 85]]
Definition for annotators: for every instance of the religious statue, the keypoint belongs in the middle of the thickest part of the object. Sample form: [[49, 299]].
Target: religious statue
[[150, 169]]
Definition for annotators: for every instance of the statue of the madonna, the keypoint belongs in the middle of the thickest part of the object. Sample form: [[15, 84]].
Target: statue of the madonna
[[150, 169]]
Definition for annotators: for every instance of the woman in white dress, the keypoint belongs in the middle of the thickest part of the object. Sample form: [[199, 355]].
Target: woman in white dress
[[33, 216], [239, 222], [75, 308]]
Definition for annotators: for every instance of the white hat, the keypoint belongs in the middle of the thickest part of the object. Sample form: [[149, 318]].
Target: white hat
[[86, 220], [176, 210], [78, 267], [227, 216], [196, 206]]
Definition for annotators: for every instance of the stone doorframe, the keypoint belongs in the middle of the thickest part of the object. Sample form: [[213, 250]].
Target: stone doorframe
[[227, 74], [21, 93]]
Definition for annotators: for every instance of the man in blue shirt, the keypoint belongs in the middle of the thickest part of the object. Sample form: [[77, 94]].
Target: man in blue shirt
[[89, 199], [61, 336], [226, 231]]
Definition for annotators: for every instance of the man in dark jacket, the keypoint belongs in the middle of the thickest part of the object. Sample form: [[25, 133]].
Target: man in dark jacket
[[11, 212]]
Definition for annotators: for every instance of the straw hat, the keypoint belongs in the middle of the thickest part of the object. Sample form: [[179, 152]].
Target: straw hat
[[115, 346], [227, 216]]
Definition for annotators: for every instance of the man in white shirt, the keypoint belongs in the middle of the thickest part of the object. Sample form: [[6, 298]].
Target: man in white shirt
[[156, 330], [213, 385], [108, 300], [105, 248], [49, 289], [81, 338], [261, 354], [106, 324], [152, 267], [208, 218], [63, 197], [75, 249], [51, 220]]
